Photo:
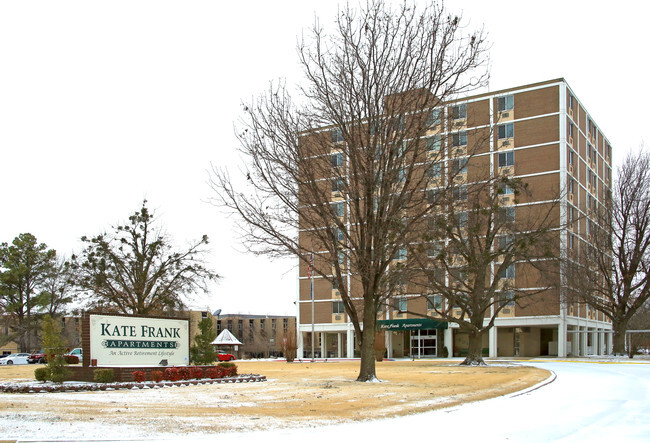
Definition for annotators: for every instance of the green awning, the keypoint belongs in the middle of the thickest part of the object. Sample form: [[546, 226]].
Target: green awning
[[410, 324]]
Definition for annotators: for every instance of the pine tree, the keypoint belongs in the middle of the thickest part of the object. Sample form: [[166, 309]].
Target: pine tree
[[202, 352]]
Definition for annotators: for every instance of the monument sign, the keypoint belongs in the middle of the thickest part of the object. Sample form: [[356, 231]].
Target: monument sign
[[138, 341]]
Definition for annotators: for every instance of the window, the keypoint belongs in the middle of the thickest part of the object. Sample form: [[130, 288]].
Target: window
[[505, 242], [458, 112], [262, 323], [571, 130], [507, 298], [508, 272], [434, 143], [570, 102], [506, 215], [434, 118], [337, 160], [460, 193], [338, 307], [506, 159], [285, 325], [506, 103], [461, 219], [459, 166], [459, 139], [401, 175], [506, 131], [401, 304], [337, 136], [572, 186], [506, 190], [591, 128], [434, 249], [374, 127], [434, 170], [397, 123], [338, 234], [572, 213], [571, 240], [337, 185], [433, 195], [434, 302], [335, 283], [341, 258], [400, 254], [571, 154], [338, 209]]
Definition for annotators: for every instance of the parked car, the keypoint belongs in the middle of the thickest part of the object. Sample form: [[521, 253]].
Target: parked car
[[37, 357], [75, 353], [15, 359], [224, 356]]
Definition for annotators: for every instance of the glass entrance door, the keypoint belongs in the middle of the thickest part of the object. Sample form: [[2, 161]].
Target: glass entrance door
[[424, 343]]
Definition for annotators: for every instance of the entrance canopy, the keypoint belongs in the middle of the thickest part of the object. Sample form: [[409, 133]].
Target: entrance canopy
[[411, 324], [226, 338]]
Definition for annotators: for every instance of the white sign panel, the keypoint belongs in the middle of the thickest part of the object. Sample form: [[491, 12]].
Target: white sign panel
[[138, 341]]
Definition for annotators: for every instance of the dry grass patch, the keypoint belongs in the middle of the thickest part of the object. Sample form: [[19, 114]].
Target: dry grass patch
[[315, 392]]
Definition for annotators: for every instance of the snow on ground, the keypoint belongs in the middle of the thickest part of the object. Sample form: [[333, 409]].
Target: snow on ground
[[594, 400]]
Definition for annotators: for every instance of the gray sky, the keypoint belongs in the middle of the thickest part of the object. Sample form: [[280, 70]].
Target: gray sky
[[105, 103]]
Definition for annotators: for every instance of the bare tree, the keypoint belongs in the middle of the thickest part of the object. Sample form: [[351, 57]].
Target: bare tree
[[135, 269], [58, 287], [610, 272], [337, 169], [478, 245]]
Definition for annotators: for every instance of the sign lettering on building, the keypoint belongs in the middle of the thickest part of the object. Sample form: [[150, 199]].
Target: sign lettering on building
[[138, 341]]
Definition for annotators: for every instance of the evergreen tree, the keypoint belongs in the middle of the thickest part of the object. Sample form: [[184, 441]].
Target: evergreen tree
[[202, 353]]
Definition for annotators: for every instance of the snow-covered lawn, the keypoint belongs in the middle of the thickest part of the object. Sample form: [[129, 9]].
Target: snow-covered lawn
[[588, 401]]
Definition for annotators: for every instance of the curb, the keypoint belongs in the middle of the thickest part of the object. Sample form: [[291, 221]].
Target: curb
[[17, 389]]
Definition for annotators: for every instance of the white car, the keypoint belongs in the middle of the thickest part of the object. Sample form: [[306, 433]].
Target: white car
[[15, 359]]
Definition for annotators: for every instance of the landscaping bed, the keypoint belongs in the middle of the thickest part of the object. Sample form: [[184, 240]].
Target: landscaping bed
[[35, 388]]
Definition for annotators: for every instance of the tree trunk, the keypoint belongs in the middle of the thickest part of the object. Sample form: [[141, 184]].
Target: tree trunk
[[367, 367], [475, 350], [619, 327]]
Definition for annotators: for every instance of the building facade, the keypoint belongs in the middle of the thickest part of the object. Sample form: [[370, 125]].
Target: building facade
[[262, 335], [539, 133]]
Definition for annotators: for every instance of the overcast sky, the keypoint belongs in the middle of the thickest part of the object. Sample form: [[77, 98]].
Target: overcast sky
[[103, 104]]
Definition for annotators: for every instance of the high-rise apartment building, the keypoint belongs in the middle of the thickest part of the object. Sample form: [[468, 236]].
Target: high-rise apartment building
[[542, 134]]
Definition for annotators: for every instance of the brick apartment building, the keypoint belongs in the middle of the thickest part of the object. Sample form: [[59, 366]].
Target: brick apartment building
[[542, 134], [261, 335]]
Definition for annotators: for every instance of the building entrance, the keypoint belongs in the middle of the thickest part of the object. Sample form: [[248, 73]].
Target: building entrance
[[424, 343]]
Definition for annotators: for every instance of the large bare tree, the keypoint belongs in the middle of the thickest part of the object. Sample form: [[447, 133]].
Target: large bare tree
[[337, 168], [136, 270], [482, 254], [609, 272]]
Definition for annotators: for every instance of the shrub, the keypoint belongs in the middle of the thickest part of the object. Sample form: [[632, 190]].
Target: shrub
[[103, 375], [54, 348], [172, 374], [71, 359], [184, 373], [213, 373], [42, 374], [139, 376], [157, 376], [445, 352], [196, 373], [230, 369]]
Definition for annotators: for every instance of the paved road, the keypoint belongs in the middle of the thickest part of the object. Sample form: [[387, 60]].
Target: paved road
[[608, 402]]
